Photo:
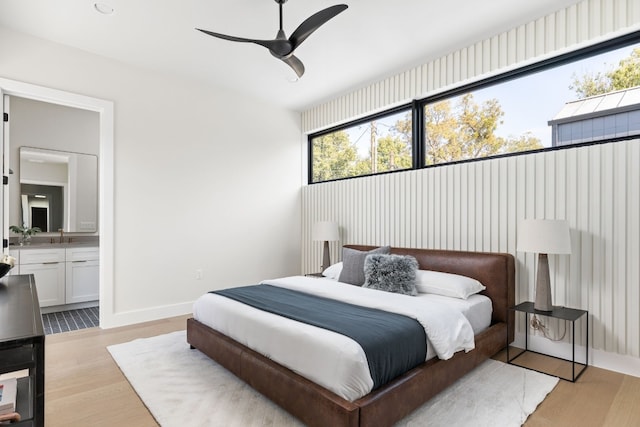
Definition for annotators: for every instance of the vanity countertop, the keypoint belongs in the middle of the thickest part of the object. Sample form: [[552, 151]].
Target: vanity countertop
[[45, 245]]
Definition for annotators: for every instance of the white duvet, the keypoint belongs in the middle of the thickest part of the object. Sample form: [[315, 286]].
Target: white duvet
[[327, 358]]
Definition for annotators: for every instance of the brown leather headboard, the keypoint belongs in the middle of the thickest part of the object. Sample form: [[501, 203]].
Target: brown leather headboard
[[496, 271]]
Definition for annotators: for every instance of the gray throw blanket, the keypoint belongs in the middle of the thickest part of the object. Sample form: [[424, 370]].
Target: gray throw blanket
[[392, 343]]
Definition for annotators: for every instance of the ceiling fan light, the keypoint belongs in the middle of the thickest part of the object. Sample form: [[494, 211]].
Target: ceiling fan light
[[103, 8]]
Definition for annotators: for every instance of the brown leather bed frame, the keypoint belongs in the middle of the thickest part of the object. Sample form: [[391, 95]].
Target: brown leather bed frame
[[316, 406]]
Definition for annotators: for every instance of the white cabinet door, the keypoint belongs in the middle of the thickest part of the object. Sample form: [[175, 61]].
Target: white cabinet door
[[83, 281], [50, 282]]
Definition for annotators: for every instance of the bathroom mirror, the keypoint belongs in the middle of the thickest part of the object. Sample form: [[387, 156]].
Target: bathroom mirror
[[59, 190]]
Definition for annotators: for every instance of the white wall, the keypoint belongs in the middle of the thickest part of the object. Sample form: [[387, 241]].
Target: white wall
[[477, 206], [203, 178]]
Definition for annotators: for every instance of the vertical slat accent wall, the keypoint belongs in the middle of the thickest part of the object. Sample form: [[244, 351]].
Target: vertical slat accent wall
[[477, 206]]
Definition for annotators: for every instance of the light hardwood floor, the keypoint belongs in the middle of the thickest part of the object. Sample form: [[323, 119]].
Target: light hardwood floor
[[598, 398], [84, 386]]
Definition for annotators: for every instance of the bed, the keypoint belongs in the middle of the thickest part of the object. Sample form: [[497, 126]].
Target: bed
[[317, 405]]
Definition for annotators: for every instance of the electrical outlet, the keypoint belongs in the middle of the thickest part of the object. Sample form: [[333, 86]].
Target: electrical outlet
[[199, 274]]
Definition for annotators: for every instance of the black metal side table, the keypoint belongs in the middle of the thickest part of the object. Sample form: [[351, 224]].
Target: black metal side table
[[562, 313]]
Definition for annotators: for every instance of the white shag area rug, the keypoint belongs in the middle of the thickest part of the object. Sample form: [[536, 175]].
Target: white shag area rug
[[183, 387]]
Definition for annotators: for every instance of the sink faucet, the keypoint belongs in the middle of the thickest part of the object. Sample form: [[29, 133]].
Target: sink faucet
[[61, 235]]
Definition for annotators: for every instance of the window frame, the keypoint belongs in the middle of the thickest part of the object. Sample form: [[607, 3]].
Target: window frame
[[382, 114], [417, 108]]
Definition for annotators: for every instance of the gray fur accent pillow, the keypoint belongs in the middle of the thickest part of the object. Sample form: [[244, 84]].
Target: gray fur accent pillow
[[391, 273], [353, 264]]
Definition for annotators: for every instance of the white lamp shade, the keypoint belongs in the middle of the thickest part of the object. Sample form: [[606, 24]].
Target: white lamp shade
[[544, 236], [325, 231]]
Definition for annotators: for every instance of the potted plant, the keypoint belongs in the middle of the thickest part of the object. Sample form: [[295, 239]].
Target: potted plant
[[25, 233]]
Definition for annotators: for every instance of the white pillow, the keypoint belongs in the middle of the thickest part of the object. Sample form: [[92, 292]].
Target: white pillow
[[333, 272], [447, 284]]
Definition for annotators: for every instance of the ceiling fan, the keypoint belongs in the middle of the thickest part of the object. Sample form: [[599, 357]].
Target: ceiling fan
[[282, 47]]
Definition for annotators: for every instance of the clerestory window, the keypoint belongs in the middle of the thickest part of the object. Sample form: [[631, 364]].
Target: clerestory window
[[584, 97]]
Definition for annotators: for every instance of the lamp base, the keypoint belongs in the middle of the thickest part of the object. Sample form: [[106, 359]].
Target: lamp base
[[326, 259], [543, 285]]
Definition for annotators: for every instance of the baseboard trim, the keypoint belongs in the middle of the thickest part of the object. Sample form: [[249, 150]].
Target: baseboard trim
[[628, 365], [131, 317], [67, 307]]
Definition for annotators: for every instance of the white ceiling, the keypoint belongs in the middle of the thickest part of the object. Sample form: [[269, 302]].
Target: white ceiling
[[372, 39]]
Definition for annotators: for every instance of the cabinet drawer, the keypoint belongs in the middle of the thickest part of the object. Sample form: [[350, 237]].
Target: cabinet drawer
[[44, 256], [83, 254]]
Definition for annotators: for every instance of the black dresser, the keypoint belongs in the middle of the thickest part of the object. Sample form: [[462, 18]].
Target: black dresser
[[22, 345]]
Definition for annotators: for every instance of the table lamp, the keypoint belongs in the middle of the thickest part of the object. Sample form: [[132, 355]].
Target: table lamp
[[544, 236], [325, 231]]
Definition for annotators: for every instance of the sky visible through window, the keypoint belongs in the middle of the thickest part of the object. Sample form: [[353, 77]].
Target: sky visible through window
[[531, 101]]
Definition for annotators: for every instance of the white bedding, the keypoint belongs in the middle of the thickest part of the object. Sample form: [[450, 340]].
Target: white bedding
[[328, 358]]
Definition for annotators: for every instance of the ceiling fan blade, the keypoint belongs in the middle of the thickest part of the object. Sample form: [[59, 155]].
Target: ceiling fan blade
[[281, 47], [269, 44], [294, 63], [314, 22]]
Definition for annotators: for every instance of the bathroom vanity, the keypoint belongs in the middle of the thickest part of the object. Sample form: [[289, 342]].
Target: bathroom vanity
[[66, 275]]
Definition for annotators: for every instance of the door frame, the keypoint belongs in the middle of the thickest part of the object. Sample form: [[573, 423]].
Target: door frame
[[106, 180]]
